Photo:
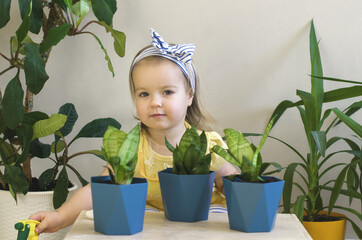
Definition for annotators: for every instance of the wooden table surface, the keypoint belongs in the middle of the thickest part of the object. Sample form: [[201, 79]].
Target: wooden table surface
[[156, 226]]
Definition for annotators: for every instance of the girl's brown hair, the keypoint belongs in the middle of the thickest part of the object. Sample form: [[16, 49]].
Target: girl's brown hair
[[196, 114]]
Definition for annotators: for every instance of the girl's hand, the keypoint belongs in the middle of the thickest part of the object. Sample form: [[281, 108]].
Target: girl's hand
[[49, 221]]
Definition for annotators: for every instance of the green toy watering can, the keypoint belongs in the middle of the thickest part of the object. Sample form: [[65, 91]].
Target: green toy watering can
[[26, 230]]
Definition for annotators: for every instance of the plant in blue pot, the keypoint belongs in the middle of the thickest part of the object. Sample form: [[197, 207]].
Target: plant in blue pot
[[119, 200], [186, 188], [252, 198]]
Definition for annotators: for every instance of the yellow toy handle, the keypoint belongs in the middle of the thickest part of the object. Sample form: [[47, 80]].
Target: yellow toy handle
[[33, 235]]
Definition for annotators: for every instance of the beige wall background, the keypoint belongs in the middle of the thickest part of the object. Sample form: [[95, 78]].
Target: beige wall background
[[251, 55]]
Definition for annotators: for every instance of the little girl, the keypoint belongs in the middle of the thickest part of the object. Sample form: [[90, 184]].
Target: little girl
[[165, 89]]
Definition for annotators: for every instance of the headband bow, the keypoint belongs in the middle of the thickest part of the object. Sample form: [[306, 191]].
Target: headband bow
[[181, 52]]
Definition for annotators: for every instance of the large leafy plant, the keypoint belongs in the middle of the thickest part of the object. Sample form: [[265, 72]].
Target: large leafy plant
[[189, 157], [245, 155], [59, 151], [120, 151], [52, 21], [314, 166]]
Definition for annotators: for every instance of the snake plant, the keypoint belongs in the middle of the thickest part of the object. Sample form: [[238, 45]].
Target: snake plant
[[189, 157], [120, 151], [245, 155]]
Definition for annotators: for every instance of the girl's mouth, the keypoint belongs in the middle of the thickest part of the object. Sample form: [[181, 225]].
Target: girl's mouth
[[157, 115]]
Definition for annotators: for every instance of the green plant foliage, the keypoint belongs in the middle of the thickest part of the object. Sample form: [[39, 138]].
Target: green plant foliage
[[120, 151], [48, 126], [61, 125], [245, 155], [54, 36], [36, 16], [12, 111], [21, 130], [313, 166], [34, 68], [4, 12], [104, 10], [189, 157]]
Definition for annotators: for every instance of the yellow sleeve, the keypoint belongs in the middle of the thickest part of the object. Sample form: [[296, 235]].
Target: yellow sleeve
[[213, 139]]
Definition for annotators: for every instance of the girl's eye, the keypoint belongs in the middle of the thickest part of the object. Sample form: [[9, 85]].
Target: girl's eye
[[168, 92], [143, 94]]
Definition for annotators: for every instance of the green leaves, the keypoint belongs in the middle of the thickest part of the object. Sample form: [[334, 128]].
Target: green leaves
[[320, 139], [245, 155], [24, 26], [4, 12], [36, 16], [96, 128], [119, 43], [314, 166], [357, 128], [12, 111], [61, 189], [261, 144], [40, 150], [225, 154], [80, 9], [48, 126], [112, 141], [110, 66], [104, 10], [16, 178], [120, 151], [317, 90], [190, 157], [54, 36], [128, 150], [46, 178], [34, 67], [68, 110]]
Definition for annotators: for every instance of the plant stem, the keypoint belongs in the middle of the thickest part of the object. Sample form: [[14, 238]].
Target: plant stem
[[9, 68], [28, 101], [2, 181], [8, 59], [88, 23], [78, 154], [27, 169]]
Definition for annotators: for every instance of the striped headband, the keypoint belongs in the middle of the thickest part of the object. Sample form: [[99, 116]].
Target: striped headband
[[180, 54]]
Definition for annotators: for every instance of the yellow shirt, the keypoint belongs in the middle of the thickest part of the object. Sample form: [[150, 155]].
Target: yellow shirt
[[150, 163]]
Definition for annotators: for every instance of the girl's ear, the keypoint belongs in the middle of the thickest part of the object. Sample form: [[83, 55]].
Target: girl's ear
[[190, 97]]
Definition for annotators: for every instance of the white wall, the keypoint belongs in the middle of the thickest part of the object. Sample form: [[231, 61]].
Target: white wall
[[251, 55]]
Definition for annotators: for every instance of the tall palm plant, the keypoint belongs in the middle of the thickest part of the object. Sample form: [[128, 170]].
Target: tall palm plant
[[313, 168]]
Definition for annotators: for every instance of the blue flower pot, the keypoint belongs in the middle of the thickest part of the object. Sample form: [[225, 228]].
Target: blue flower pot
[[186, 198], [118, 209], [252, 207]]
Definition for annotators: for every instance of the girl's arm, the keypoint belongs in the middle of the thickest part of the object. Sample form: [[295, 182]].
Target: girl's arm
[[225, 170], [67, 213]]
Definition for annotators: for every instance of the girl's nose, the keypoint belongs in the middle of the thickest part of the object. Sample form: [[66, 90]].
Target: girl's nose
[[156, 101]]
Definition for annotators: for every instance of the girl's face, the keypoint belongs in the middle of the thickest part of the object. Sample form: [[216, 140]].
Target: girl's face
[[160, 94]]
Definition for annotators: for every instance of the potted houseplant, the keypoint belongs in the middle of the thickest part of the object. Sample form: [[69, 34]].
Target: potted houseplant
[[186, 188], [56, 177], [53, 186], [52, 20], [314, 165], [252, 198], [119, 200]]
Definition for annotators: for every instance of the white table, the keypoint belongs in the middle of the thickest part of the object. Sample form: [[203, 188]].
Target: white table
[[156, 226]]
